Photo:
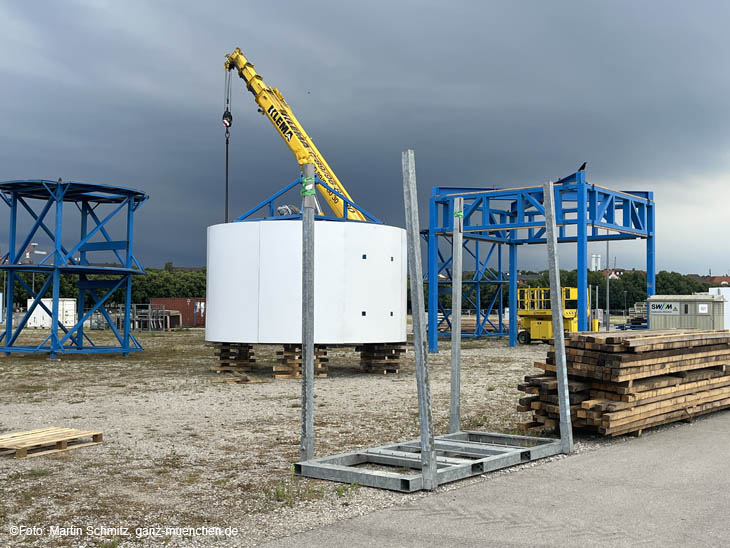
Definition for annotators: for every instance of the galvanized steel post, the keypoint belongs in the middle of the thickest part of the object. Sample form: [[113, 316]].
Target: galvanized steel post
[[410, 198], [308, 205], [556, 302], [456, 273]]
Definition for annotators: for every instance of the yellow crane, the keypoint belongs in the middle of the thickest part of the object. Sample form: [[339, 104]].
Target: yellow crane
[[272, 105]]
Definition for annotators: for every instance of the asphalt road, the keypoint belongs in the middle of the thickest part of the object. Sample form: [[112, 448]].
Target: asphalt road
[[667, 488]]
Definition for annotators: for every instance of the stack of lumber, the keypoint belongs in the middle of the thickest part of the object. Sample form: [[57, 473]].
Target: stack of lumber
[[381, 357], [289, 362], [233, 361], [624, 383]]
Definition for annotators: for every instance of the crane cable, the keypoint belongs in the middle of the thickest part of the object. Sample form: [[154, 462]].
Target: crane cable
[[227, 122]]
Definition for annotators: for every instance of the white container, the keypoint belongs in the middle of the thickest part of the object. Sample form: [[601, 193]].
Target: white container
[[725, 292], [254, 283], [40, 318]]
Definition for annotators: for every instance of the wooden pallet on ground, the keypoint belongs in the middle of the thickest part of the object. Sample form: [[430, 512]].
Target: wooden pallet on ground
[[382, 358], [624, 383], [44, 441]]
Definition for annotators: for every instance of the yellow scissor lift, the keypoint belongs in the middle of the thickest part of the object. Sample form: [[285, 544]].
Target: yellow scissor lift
[[535, 311]]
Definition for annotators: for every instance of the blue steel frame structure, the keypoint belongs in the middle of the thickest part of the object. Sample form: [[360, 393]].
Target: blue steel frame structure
[[269, 206], [516, 216], [91, 200]]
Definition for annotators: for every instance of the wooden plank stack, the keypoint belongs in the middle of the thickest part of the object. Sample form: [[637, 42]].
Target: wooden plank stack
[[622, 383], [381, 357], [233, 361], [289, 362]]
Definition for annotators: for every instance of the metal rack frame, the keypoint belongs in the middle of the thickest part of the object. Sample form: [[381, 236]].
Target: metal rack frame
[[95, 235], [516, 216], [434, 460]]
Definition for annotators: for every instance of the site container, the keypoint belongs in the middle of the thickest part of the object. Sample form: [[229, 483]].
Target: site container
[[699, 311], [41, 318], [192, 309], [725, 292]]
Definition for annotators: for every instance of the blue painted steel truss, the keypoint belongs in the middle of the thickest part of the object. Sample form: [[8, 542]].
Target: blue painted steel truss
[[95, 236], [268, 206], [516, 216]]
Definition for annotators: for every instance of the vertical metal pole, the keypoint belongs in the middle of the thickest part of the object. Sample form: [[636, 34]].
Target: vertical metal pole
[[308, 205], [456, 273], [410, 197], [566, 431], [433, 279], [581, 204], [590, 310]]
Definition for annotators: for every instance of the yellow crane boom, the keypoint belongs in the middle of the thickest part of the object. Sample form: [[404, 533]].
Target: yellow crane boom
[[275, 108]]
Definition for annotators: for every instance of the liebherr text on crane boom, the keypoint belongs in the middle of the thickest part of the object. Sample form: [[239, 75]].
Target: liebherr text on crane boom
[[276, 109]]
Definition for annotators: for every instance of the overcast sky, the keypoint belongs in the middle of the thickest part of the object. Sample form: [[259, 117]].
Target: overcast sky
[[487, 93]]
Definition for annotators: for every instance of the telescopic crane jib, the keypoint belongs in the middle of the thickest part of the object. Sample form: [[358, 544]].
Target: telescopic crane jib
[[275, 108]]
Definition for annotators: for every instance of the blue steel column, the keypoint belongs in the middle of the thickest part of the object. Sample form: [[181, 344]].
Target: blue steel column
[[81, 304], [478, 296], [9, 289], [500, 287], [433, 278], [128, 264], [650, 256], [57, 262], [513, 291], [581, 204]]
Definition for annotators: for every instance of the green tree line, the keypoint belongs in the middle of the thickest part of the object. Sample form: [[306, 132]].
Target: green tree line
[[165, 282], [624, 292]]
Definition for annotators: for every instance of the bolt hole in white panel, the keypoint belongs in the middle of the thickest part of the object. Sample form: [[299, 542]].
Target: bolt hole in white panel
[[357, 300]]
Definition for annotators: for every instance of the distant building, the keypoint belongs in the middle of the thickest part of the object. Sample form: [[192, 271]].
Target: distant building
[[718, 281]]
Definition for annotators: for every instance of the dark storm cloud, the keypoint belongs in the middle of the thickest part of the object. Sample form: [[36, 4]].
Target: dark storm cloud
[[488, 94]]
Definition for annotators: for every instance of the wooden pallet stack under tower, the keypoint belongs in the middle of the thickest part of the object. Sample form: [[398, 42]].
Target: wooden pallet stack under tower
[[236, 359], [381, 357], [289, 362], [624, 383]]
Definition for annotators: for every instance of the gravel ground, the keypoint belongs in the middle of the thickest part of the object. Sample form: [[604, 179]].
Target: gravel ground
[[181, 451]]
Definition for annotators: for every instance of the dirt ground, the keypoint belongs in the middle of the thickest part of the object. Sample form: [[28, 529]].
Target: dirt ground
[[182, 451]]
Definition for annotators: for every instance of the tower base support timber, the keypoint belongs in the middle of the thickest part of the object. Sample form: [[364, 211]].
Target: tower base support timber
[[289, 362], [381, 357]]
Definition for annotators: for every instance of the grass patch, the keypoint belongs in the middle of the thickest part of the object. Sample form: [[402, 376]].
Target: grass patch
[[293, 490], [346, 489]]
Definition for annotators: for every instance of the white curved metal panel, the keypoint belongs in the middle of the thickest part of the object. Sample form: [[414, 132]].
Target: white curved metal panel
[[360, 283]]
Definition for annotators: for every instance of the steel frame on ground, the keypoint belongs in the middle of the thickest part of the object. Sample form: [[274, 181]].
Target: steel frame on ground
[[94, 236], [514, 217], [459, 455]]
